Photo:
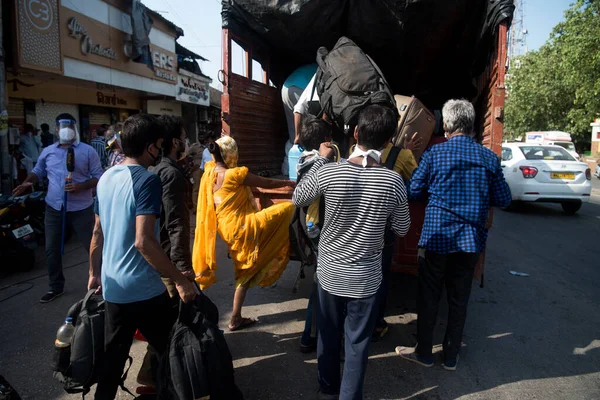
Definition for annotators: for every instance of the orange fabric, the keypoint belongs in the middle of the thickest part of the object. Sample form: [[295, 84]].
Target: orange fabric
[[258, 241]]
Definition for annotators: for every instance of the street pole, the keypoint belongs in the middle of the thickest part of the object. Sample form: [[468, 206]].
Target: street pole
[[4, 156]]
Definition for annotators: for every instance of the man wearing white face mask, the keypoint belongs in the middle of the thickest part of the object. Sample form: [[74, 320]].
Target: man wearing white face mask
[[52, 164]]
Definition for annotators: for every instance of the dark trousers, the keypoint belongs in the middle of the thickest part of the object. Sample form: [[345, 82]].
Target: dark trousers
[[455, 270], [145, 374], [357, 326], [310, 324], [386, 264], [82, 223], [154, 318]]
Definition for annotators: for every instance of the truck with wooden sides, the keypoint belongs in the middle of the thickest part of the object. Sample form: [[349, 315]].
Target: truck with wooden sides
[[435, 50]]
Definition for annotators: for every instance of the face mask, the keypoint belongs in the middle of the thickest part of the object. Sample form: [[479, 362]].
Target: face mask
[[374, 154], [66, 135], [155, 159]]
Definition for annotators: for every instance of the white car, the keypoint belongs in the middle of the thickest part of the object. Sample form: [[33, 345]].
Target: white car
[[597, 171], [539, 173]]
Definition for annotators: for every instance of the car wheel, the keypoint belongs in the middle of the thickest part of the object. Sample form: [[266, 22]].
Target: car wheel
[[571, 208]]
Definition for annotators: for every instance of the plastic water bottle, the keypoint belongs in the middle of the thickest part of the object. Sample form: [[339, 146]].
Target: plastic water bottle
[[65, 333], [293, 157], [313, 232]]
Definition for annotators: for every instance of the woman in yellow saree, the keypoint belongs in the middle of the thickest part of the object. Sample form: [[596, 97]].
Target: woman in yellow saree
[[258, 241]]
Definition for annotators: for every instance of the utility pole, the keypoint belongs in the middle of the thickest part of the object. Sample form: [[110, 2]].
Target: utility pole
[[4, 156], [518, 32]]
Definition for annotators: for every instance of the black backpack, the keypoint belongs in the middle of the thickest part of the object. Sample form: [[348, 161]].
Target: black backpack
[[303, 249], [197, 363], [349, 80], [77, 367]]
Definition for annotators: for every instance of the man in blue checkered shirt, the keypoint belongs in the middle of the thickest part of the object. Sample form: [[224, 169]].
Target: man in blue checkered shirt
[[461, 179]]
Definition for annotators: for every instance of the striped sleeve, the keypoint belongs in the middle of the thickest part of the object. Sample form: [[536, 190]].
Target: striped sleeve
[[308, 188], [401, 215]]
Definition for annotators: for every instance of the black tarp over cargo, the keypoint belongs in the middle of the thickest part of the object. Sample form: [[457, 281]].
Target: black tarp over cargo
[[429, 48]]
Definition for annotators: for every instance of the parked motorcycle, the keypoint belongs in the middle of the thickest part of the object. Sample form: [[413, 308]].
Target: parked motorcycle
[[18, 239], [35, 206]]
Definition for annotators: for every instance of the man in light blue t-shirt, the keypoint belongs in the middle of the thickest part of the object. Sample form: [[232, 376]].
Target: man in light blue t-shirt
[[126, 258]]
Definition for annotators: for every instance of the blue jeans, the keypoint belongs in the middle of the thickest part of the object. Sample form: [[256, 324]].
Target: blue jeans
[[357, 326]]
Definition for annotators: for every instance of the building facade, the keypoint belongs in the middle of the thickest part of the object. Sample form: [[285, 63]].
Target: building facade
[[76, 56]]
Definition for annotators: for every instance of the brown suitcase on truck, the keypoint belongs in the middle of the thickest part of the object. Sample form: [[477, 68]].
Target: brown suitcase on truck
[[414, 118]]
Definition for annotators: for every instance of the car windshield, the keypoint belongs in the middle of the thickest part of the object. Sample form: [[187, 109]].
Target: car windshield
[[565, 145], [546, 153]]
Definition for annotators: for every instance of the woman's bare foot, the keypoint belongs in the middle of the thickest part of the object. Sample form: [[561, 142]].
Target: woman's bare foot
[[237, 324]]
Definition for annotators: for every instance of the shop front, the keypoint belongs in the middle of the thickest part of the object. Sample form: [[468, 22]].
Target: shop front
[[193, 91], [90, 103], [77, 59]]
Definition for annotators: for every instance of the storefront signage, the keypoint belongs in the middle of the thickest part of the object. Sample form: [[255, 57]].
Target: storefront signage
[[163, 107], [39, 13], [110, 100], [91, 41], [192, 88], [165, 75], [164, 65], [78, 31], [37, 34]]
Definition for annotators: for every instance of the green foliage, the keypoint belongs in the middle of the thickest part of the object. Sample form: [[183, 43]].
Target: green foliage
[[558, 86]]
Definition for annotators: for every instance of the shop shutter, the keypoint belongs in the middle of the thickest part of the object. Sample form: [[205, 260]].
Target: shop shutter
[[46, 113]]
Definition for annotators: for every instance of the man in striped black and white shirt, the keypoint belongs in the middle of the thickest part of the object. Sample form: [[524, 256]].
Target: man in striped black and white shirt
[[361, 198]]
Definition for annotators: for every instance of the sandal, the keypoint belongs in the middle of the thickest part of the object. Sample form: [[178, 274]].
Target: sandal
[[380, 331], [244, 323]]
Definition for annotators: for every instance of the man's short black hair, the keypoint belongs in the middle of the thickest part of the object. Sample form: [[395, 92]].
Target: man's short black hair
[[65, 116], [313, 132], [376, 125], [104, 126], [139, 132], [45, 127], [210, 135], [100, 131], [29, 128], [172, 128]]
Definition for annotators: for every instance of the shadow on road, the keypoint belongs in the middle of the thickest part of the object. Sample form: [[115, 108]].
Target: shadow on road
[[534, 337], [505, 347]]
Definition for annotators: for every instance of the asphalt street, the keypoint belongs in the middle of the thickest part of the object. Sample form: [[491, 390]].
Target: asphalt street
[[533, 337]]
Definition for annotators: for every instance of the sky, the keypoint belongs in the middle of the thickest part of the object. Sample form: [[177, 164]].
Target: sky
[[201, 23]]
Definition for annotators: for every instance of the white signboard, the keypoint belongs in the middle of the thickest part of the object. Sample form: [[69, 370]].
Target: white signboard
[[192, 88], [163, 107]]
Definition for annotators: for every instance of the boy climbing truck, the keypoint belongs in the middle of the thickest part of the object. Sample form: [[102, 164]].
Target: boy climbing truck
[[433, 50]]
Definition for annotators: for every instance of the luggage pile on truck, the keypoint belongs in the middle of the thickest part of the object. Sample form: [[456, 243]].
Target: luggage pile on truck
[[429, 51]]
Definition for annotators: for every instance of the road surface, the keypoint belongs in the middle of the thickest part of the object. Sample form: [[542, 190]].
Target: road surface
[[533, 337]]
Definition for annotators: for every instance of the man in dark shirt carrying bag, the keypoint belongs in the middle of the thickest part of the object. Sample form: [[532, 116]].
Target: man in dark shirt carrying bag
[[361, 196], [174, 220], [126, 259], [463, 180]]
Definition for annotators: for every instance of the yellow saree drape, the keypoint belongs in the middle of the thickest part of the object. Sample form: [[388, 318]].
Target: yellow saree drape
[[258, 241]]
